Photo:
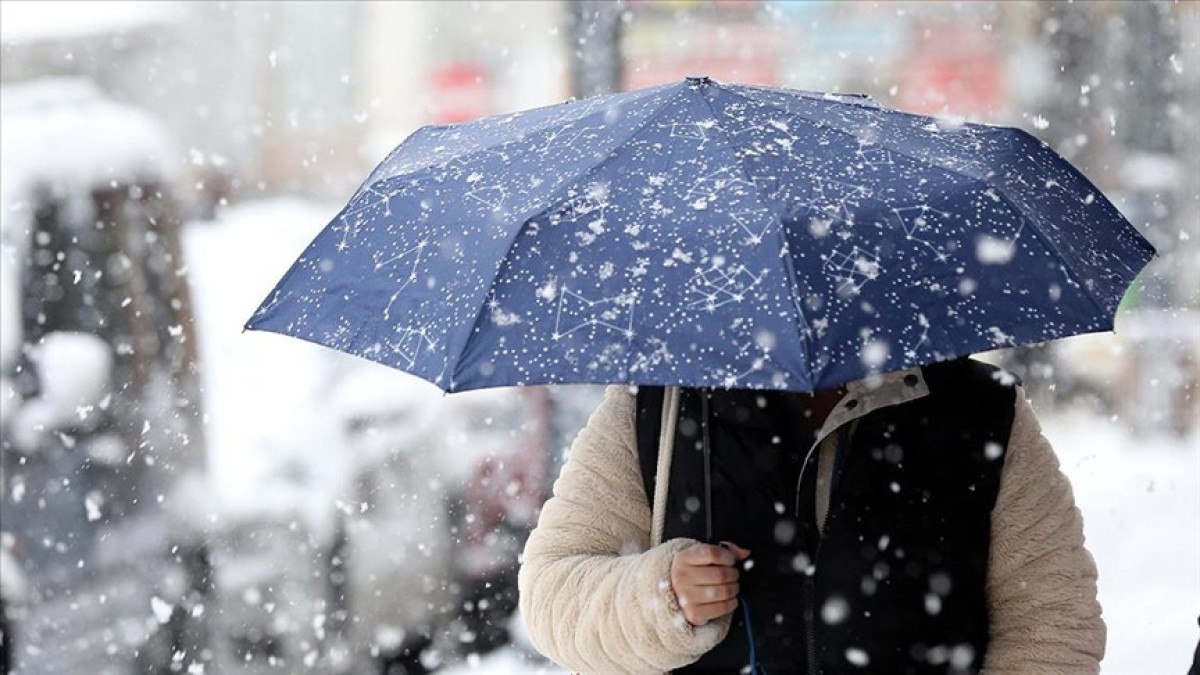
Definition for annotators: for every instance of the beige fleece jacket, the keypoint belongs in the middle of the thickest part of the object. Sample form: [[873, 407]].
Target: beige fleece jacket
[[595, 591]]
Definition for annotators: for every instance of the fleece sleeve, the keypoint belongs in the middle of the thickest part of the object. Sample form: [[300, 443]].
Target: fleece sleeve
[[594, 596], [1041, 584]]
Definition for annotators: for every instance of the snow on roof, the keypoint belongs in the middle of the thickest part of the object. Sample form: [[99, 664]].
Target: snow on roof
[[67, 133], [40, 21]]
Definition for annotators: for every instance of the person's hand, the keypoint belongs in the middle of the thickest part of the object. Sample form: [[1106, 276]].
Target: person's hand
[[705, 579]]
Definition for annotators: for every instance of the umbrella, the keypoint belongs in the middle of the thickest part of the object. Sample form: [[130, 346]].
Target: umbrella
[[707, 234]]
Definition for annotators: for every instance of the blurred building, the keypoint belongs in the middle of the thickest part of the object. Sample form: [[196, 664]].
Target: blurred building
[[304, 97], [99, 378], [268, 100], [258, 100]]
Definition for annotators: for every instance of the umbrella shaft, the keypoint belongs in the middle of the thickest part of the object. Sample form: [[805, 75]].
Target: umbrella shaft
[[704, 418]]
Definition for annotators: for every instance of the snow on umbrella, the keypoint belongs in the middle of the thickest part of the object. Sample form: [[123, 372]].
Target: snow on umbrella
[[707, 234]]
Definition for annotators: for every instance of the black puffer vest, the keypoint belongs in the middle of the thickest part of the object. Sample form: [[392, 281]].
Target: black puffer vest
[[897, 581]]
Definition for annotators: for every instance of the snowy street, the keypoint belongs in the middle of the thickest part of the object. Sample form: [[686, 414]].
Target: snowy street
[[362, 338], [1136, 495]]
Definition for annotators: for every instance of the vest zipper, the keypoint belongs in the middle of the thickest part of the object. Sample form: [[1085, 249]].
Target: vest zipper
[[808, 611], [810, 632], [810, 581], [810, 585]]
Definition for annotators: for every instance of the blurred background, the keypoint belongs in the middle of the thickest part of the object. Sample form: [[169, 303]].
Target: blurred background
[[178, 496]]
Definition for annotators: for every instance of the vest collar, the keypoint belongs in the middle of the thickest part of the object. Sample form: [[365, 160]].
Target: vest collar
[[872, 393], [862, 396]]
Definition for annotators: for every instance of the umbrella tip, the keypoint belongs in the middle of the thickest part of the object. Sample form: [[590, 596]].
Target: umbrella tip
[[698, 79]]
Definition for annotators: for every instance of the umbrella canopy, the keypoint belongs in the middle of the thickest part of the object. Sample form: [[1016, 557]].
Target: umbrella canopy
[[708, 234]]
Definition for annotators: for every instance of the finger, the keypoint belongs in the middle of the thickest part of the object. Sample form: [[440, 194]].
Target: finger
[[710, 575], [713, 610], [695, 597], [707, 554], [709, 594], [738, 551], [702, 595]]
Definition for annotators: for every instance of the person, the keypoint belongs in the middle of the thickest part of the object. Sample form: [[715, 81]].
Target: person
[[910, 522]]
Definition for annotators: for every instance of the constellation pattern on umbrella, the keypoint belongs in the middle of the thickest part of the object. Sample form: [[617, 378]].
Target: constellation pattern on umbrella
[[708, 187], [565, 137], [731, 378], [808, 327], [498, 315], [501, 153], [341, 334], [410, 257], [770, 135], [414, 251], [387, 311], [875, 156], [410, 343], [575, 311], [267, 306], [990, 193], [491, 196], [745, 219], [757, 127], [922, 339], [718, 286], [581, 204], [573, 110], [456, 146], [667, 201], [658, 354], [768, 186], [916, 223], [696, 131], [837, 199], [853, 269], [361, 203]]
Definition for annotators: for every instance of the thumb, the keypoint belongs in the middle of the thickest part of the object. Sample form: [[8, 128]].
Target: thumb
[[738, 551]]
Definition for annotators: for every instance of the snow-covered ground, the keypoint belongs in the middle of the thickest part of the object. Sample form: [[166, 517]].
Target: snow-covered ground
[[1140, 498], [503, 662]]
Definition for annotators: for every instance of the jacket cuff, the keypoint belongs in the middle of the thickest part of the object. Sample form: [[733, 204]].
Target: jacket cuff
[[677, 634]]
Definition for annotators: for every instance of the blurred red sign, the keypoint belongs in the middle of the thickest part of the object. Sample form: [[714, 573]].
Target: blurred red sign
[[459, 92], [953, 68], [735, 51]]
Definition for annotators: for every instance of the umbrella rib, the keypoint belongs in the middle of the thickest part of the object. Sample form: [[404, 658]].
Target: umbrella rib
[[532, 214], [857, 100], [543, 126], [1033, 222], [789, 271], [1037, 230], [825, 125], [1087, 182]]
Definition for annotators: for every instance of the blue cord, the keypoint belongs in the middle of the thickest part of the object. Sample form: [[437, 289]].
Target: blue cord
[[755, 669]]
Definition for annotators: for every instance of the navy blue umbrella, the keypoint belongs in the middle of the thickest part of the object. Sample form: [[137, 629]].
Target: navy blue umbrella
[[707, 234]]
